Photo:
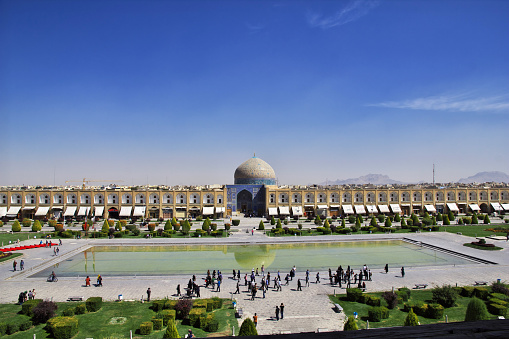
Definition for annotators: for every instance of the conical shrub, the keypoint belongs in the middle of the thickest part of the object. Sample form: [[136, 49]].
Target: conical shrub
[[476, 310]]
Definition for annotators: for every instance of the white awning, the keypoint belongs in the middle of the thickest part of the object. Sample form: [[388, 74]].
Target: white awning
[[348, 209], [284, 210], [32, 207], [83, 211], [430, 208], [496, 206], [99, 211], [57, 207], [125, 211], [371, 209], [384, 209], [139, 211], [208, 210], [41, 211], [309, 205], [13, 211], [69, 212], [272, 211], [334, 206], [322, 207], [453, 207], [395, 208], [220, 209], [3, 211], [359, 209], [474, 207], [505, 206], [297, 210]]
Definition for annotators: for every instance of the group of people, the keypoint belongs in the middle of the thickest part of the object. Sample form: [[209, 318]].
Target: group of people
[[21, 265], [99, 281], [24, 296]]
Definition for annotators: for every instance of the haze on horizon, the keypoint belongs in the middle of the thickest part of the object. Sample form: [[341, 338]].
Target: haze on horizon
[[182, 92]]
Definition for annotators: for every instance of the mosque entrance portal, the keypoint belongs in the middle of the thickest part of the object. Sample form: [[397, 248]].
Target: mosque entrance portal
[[245, 202]]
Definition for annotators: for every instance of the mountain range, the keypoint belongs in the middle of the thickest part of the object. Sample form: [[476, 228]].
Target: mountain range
[[381, 179]]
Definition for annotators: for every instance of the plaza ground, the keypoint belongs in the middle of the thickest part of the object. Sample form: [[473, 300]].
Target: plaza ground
[[309, 310]]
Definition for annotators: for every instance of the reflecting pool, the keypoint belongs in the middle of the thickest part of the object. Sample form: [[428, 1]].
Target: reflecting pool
[[196, 259]]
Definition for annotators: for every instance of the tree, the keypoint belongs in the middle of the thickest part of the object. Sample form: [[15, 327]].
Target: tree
[[411, 319], [475, 221], [446, 220], [343, 222], [36, 227], [403, 222], [360, 218], [206, 225], [397, 218], [171, 330], [381, 218], [173, 221], [486, 219], [439, 217], [261, 225], [16, 227], [106, 226], [451, 216], [278, 225], [351, 325], [318, 221], [388, 222], [445, 295], [272, 221], [118, 226], [476, 310], [247, 328], [434, 220], [326, 224], [373, 222], [357, 223], [167, 225]]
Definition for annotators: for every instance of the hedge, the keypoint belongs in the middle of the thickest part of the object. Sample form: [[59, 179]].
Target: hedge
[[80, 309], [63, 327], [170, 304], [3, 328], [236, 222], [482, 293], [497, 309], [28, 305], [217, 303], [353, 294], [94, 304], [157, 324], [378, 313], [194, 316], [166, 315], [434, 311], [146, 327]]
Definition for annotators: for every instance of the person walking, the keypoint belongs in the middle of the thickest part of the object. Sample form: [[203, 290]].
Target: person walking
[[99, 280], [402, 272], [386, 268], [218, 286], [317, 277], [197, 289], [255, 320], [237, 291], [22, 265], [178, 290], [277, 313], [282, 309], [14, 264], [87, 281], [148, 294], [299, 285]]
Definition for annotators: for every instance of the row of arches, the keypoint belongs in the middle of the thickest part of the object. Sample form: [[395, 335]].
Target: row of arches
[[384, 197]]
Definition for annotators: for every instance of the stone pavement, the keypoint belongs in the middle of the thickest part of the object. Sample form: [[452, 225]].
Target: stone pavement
[[305, 311]]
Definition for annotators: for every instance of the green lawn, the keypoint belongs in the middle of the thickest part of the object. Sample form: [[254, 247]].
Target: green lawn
[[471, 230], [100, 325], [397, 316]]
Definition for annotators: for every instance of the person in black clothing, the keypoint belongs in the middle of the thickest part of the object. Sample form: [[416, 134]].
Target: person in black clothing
[[178, 290], [299, 285], [281, 310], [148, 294]]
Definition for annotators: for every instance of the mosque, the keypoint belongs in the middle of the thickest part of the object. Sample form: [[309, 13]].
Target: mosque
[[254, 193]]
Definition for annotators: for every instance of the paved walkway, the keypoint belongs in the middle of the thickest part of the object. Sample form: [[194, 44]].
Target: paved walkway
[[305, 311]]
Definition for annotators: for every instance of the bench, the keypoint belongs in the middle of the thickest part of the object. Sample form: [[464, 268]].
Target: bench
[[75, 298], [239, 313], [419, 286], [479, 283], [338, 308]]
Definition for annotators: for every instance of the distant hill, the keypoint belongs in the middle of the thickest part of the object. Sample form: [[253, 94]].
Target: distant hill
[[480, 177], [375, 179]]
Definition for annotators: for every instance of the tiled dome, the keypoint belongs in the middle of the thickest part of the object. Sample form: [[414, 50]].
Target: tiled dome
[[255, 171]]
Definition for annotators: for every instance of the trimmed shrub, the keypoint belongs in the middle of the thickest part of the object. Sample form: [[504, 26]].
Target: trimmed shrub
[[247, 328], [183, 307], [411, 319], [272, 221], [486, 219], [166, 315], [446, 221], [146, 327], [26, 222], [497, 309], [474, 220], [391, 299], [404, 293], [261, 225], [25, 325], [481, 293], [497, 287], [69, 312], [434, 311], [210, 307], [16, 227], [12, 328], [158, 305], [212, 325], [378, 313], [80, 309], [445, 296], [94, 304], [171, 330], [28, 305], [63, 327], [194, 316], [353, 294], [236, 222], [500, 296], [36, 227], [467, 291], [44, 311], [278, 223], [157, 324], [476, 310], [371, 300], [350, 325], [217, 303]]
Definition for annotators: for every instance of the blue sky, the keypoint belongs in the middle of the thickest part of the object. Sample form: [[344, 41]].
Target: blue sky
[[182, 92]]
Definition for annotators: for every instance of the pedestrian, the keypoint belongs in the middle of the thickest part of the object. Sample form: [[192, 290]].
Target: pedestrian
[[402, 272], [33, 293], [282, 309], [30, 296], [277, 313], [197, 291], [60, 242], [21, 265], [87, 281], [299, 285], [99, 280], [14, 265], [252, 231], [148, 294], [54, 251], [237, 291], [178, 290], [255, 319], [58, 251], [218, 285], [317, 277], [307, 280], [386, 268]]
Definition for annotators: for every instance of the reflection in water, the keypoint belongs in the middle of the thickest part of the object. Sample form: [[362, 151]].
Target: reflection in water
[[250, 257]]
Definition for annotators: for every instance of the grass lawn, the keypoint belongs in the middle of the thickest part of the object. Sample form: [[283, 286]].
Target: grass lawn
[[397, 316], [470, 230], [116, 319], [482, 248], [6, 256]]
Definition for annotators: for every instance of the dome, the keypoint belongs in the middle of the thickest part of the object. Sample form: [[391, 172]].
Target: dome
[[255, 171]]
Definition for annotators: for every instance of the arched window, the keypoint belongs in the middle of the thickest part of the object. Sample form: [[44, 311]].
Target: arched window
[[493, 195], [296, 198], [483, 195], [3, 199], [334, 197], [71, 198], [370, 197], [358, 197], [30, 199], [208, 198], [416, 196], [140, 198], [310, 198], [153, 199], [181, 198], [472, 196], [440, 196], [127, 198], [44, 199], [462, 196], [347, 197], [195, 198], [428, 196], [58, 199], [405, 197], [283, 198], [16, 199], [272, 198], [98, 199], [450, 196], [322, 197], [220, 199], [394, 197], [112, 199], [382, 197], [504, 195], [168, 199], [85, 199]]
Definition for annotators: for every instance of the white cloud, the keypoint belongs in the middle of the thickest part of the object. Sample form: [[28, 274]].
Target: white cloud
[[452, 103], [351, 12]]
